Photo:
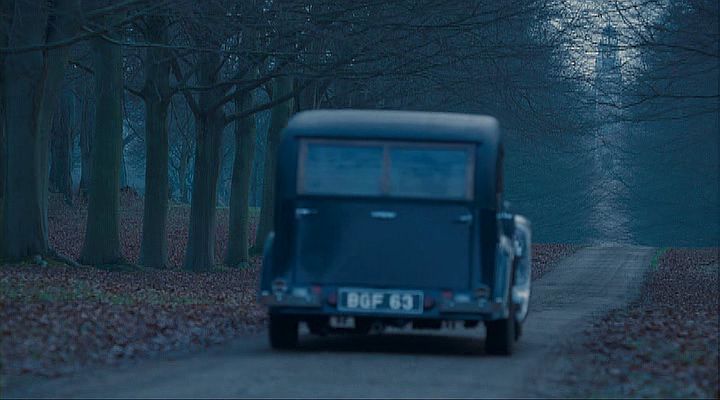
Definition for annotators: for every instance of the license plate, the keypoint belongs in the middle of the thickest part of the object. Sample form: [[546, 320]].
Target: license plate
[[380, 300]]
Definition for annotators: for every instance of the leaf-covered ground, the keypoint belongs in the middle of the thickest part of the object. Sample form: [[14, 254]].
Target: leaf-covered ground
[[663, 345], [66, 228], [544, 256], [56, 319]]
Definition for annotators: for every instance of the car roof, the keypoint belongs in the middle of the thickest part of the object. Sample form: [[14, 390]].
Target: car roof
[[394, 125]]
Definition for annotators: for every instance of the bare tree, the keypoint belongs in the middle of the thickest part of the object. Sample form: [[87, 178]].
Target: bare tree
[[102, 236], [157, 94], [32, 79], [245, 138], [279, 117], [181, 148], [200, 252], [87, 123]]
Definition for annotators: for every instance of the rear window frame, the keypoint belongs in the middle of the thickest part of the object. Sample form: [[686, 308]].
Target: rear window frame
[[386, 145]]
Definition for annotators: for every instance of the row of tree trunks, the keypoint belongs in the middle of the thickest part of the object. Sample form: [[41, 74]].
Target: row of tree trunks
[[279, 116], [32, 81], [102, 239], [245, 137], [156, 93], [60, 149], [210, 121]]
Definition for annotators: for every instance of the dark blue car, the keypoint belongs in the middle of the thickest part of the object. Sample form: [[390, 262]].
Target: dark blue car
[[394, 218]]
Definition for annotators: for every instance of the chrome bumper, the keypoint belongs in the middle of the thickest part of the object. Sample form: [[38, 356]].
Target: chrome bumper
[[289, 300], [479, 306]]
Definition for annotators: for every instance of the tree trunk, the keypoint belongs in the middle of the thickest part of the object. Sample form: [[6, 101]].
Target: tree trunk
[[183, 173], [3, 160], [60, 148], [245, 136], [153, 250], [32, 81], [3, 155], [200, 251], [6, 9], [279, 117], [86, 124], [102, 238]]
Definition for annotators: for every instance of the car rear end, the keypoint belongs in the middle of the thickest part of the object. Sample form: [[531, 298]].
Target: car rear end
[[383, 233]]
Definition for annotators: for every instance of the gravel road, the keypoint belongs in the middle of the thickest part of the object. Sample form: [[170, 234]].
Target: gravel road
[[448, 363]]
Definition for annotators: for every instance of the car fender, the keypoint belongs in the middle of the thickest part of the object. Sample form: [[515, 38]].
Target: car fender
[[266, 270], [503, 274], [522, 241]]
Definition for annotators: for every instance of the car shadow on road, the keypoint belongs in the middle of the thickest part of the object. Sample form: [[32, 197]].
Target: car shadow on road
[[399, 343]]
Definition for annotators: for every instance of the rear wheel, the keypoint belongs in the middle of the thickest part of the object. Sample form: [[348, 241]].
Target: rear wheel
[[283, 332], [518, 330], [500, 336]]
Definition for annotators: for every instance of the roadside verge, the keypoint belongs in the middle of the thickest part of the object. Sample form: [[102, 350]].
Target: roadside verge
[[662, 344]]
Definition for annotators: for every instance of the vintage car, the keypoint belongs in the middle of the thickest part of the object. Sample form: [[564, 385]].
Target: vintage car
[[394, 218]]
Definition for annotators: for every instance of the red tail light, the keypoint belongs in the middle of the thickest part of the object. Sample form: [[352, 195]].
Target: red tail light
[[447, 294], [428, 302], [332, 299], [317, 290]]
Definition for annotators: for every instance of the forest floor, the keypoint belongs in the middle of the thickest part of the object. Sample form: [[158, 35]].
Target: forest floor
[[662, 345], [58, 319]]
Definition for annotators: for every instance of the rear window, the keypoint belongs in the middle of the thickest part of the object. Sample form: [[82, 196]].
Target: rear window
[[397, 169], [345, 170]]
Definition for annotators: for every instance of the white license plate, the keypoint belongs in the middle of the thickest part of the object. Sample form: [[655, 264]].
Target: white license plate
[[380, 300]]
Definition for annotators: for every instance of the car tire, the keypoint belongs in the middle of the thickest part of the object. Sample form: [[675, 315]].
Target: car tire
[[518, 330], [500, 336], [283, 332]]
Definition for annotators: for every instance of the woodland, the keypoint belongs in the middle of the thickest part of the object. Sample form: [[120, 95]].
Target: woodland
[[183, 103]]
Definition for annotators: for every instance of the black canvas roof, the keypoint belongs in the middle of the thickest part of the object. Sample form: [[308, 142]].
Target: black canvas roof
[[399, 125]]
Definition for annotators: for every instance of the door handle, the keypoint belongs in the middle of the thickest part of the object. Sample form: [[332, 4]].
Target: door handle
[[301, 212], [383, 214], [464, 219]]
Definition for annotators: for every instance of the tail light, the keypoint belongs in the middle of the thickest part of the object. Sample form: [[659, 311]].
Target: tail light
[[332, 299], [447, 294], [428, 302], [316, 290]]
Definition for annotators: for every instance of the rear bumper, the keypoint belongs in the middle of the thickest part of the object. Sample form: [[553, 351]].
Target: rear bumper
[[479, 309], [481, 306], [287, 300]]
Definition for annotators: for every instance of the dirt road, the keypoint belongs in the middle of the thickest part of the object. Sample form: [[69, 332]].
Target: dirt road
[[449, 363]]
